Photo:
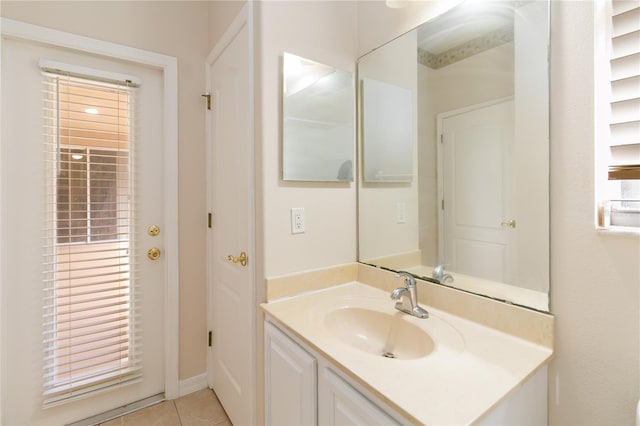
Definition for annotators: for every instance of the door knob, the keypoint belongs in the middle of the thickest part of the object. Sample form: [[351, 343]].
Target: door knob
[[242, 259], [509, 223], [153, 253]]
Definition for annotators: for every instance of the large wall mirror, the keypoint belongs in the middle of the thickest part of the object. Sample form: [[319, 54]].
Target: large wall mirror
[[474, 214]]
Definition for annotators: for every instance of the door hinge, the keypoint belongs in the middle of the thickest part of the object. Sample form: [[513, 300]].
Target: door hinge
[[210, 338], [441, 137], [208, 96], [442, 204], [209, 219]]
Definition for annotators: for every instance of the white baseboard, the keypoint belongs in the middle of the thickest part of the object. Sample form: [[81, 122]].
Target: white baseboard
[[192, 384]]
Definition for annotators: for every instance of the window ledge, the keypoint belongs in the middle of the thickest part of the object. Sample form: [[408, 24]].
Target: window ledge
[[619, 230]]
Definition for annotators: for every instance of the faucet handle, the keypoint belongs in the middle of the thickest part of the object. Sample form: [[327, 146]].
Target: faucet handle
[[409, 280], [438, 271], [439, 274]]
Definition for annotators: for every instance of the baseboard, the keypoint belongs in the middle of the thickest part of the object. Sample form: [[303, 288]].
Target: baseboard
[[192, 384]]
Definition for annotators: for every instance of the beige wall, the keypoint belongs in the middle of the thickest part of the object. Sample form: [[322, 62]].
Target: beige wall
[[221, 14], [178, 29], [324, 32], [594, 277]]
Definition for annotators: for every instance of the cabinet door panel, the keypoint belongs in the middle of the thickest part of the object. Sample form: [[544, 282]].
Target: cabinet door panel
[[290, 379], [341, 404]]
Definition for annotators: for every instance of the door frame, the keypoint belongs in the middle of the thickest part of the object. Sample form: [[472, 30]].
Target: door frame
[[244, 18], [169, 66], [440, 160]]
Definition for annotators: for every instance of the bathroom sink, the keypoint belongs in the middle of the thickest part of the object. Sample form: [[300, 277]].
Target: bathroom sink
[[379, 333]]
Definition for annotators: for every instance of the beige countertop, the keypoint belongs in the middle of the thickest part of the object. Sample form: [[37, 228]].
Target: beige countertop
[[472, 368]]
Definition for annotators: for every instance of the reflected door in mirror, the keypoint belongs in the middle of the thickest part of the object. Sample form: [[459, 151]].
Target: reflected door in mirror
[[476, 178]]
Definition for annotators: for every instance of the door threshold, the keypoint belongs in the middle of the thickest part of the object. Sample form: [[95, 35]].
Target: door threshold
[[120, 411]]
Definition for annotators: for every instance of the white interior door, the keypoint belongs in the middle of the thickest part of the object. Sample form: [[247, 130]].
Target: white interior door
[[232, 356], [24, 179], [478, 227]]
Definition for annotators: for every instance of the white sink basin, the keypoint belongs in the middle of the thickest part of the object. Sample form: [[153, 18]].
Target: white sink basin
[[379, 333]]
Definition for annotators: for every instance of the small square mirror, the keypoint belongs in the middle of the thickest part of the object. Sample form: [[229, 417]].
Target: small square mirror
[[318, 121]]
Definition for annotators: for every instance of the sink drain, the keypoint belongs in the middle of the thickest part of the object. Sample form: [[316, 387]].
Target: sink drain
[[388, 355]]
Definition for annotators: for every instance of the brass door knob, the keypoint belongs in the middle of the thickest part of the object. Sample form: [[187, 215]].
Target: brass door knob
[[242, 259], [154, 253], [509, 223]]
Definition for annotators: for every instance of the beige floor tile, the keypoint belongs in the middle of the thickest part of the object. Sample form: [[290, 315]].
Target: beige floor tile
[[200, 408], [115, 422], [162, 414]]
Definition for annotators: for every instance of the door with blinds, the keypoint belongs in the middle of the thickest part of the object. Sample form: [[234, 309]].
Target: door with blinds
[[82, 226]]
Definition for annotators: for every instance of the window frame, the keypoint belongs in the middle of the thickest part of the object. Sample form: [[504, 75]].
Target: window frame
[[608, 193]]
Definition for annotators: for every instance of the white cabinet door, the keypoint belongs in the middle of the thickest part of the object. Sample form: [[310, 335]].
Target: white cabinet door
[[290, 378], [341, 404]]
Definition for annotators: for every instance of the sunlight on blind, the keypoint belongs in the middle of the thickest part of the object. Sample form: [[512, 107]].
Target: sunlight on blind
[[91, 302]]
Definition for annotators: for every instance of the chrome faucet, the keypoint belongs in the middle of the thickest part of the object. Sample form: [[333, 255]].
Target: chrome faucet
[[439, 274], [407, 297]]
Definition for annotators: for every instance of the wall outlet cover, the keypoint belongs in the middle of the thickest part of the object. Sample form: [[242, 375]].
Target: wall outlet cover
[[297, 220]]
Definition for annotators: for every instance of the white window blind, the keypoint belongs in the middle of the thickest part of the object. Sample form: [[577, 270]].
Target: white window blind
[[625, 90], [91, 302]]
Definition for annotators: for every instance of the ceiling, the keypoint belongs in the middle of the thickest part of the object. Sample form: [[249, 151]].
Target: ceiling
[[462, 24]]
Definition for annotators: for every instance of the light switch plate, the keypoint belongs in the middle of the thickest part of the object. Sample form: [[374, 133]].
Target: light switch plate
[[401, 213]]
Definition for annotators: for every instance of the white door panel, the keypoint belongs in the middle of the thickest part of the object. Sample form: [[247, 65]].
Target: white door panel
[[484, 259], [23, 199], [232, 357]]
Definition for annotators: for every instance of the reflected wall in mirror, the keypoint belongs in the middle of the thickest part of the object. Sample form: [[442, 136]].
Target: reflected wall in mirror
[[318, 121], [387, 132], [478, 202]]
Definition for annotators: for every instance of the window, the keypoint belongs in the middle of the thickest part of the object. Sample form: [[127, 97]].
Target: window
[[87, 194], [619, 62], [91, 338]]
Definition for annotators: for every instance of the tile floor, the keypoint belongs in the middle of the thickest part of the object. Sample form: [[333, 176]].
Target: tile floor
[[200, 408]]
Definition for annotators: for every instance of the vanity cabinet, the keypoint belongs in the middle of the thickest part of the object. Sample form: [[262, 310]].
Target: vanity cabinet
[[304, 388], [295, 395]]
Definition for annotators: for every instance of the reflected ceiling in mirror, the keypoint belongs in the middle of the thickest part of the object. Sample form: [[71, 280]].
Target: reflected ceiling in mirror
[[477, 203], [318, 121]]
